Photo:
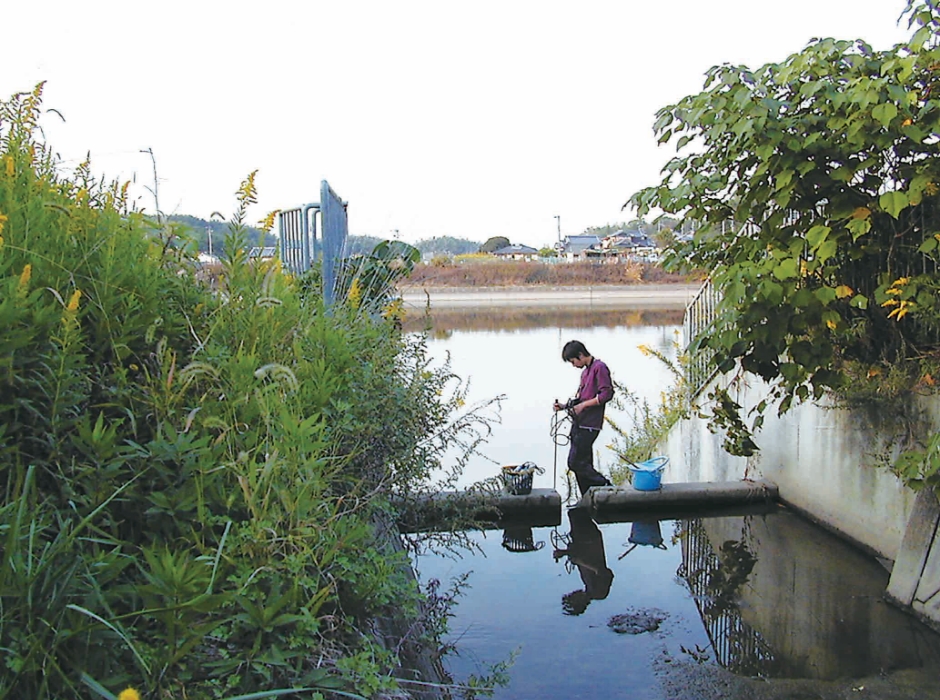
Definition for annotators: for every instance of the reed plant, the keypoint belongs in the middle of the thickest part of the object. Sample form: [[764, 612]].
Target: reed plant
[[191, 476]]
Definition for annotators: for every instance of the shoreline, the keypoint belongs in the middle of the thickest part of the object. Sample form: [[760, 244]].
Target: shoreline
[[640, 296]]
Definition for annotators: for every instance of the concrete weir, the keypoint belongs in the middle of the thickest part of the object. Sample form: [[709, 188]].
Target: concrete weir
[[614, 501], [608, 504]]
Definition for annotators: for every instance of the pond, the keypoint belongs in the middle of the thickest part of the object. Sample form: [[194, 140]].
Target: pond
[[613, 610], [605, 610], [516, 353]]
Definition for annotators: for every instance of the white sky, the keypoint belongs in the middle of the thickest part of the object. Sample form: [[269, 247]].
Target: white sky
[[468, 119]]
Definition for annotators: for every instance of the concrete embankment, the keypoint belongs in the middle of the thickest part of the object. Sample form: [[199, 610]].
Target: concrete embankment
[[644, 296]]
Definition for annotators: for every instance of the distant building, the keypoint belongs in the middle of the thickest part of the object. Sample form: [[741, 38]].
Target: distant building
[[633, 245], [517, 252], [265, 253], [578, 247]]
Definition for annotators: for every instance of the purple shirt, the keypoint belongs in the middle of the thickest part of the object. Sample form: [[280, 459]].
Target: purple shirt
[[595, 381]]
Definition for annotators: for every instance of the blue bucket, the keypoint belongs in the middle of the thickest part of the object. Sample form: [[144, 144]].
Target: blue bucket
[[647, 476]]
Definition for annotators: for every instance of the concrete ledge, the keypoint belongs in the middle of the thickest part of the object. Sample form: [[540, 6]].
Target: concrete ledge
[[542, 507], [619, 502]]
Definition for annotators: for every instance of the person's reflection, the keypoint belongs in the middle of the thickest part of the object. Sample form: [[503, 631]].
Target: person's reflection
[[586, 551]]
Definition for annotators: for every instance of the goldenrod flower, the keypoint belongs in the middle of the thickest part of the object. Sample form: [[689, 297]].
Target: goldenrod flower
[[645, 350], [831, 324], [394, 310], [248, 193], [355, 293], [73, 301], [11, 170], [267, 223], [129, 694], [3, 220], [25, 275], [931, 188]]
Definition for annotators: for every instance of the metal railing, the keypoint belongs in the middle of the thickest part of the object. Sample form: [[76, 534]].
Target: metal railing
[[300, 245], [699, 316]]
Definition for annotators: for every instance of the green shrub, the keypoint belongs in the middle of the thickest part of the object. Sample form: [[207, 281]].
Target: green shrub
[[191, 475]]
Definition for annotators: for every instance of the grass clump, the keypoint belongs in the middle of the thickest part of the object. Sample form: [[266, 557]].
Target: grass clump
[[192, 477]]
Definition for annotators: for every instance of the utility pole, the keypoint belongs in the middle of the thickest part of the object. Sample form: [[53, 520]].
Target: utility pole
[[558, 220], [209, 236]]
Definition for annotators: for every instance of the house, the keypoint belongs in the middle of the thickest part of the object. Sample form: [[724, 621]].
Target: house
[[578, 247], [632, 245], [516, 252], [265, 253]]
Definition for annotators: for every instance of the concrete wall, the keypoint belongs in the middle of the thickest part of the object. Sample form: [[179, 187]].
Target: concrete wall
[[827, 462]]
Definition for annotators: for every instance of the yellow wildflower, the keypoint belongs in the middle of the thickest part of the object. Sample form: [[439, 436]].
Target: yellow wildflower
[[73, 302], [267, 223], [355, 293], [129, 694], [248, 193], [25, 275], [831, 324], [931, 188], [3, 220], [394, 310], [11, 170], [645, 350]]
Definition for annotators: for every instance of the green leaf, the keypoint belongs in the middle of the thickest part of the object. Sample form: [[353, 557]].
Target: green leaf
[[816, 235], [928, 246], [884, 113], [859, 301], [826, 250], [787, 269], [894, 203]]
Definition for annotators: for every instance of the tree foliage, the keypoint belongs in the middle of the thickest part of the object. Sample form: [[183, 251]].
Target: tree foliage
[[447, 244], [494, 243], [814, 185]]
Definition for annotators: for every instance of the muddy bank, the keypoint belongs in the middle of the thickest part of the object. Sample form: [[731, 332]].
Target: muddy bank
[[647, 296]]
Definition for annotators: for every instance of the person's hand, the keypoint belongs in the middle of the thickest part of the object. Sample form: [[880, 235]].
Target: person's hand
[[557, 406]]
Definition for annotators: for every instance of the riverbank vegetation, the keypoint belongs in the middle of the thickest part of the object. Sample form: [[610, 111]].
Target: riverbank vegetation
[[191, 477], [487, 271], [815, 187]]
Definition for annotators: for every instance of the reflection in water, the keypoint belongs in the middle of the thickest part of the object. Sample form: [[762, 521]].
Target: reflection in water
[[738, 647], [585, 550], [442, 322], [645, 533], [779, 598], [519, 538]]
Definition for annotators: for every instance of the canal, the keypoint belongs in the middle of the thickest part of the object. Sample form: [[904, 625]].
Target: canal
[[737, 604]]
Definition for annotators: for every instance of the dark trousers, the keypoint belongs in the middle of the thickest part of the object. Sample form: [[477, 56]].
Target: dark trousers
[[581, 459]]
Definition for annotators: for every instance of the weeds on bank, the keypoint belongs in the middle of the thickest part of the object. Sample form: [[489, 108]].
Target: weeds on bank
[[191, 477]]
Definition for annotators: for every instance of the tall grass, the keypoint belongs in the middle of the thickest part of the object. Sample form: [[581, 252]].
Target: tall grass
[[191, 476]]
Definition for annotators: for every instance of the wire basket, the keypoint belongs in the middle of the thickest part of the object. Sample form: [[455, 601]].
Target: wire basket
[[517, 478]]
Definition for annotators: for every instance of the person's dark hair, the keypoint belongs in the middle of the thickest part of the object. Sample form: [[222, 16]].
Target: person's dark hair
[[574, 349]]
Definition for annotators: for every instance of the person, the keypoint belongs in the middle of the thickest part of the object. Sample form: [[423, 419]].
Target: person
[[586, 551], [587, 409]]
